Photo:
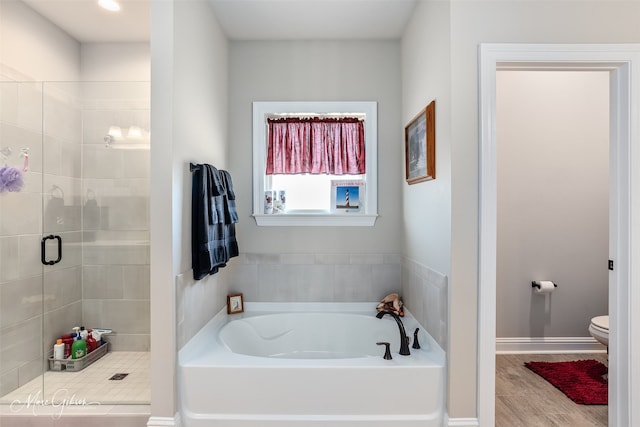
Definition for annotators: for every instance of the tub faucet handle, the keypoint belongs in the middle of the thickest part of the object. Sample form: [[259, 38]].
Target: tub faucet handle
[[416, 344], [387, 351]]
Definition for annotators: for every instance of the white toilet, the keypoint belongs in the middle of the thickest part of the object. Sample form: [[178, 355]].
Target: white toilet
[[599, 329]]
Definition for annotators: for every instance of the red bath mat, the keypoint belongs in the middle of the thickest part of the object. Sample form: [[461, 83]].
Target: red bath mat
[[580, 380]]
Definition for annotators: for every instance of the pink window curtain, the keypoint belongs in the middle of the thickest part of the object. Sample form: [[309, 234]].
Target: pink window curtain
[[316, 146]]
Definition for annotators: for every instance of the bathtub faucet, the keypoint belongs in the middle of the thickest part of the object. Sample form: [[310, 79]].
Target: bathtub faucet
[[404, 339]]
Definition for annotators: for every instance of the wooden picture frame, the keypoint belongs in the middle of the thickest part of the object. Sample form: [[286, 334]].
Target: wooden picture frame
[[235, 304], [420, 146]]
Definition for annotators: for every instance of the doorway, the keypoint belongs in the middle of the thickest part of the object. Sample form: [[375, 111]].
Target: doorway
[[552, 131], [617, 60]]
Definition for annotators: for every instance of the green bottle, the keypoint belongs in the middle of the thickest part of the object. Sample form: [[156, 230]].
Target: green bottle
[[79, 346]]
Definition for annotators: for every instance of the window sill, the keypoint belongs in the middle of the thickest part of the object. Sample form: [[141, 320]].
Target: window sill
[[315, 220]]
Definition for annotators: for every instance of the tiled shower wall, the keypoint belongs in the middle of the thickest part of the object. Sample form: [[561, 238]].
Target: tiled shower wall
[[38, 303], [115, 200]]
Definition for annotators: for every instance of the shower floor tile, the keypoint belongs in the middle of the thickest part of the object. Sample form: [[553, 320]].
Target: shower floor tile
[[92, 384]]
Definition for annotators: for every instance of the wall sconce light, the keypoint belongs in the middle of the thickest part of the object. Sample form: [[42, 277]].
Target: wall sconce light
[[115, 132], [134, 132]]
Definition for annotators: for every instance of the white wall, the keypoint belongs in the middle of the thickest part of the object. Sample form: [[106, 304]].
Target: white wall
[[474, 22], [189, 124], [553, 200], [200, 132], [32, 48], [108, 62], [318, 71], [426, 77], [426, 206]]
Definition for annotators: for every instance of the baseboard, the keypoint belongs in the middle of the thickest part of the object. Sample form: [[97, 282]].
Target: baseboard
[[549, 345], [463, 422], [174, 421]]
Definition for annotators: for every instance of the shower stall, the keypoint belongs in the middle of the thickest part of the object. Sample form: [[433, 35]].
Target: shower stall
[[74, 238]]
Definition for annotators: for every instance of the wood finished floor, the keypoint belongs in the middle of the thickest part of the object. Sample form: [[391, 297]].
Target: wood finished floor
[[524, 399]]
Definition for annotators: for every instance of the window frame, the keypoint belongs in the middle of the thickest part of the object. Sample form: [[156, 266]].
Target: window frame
[[261, 110]]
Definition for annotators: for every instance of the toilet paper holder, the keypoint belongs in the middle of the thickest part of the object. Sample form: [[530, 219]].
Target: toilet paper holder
[[536, 284]]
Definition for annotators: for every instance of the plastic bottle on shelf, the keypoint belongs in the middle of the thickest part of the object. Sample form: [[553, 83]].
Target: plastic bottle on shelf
[[58, 349], [98, 337], [92, 344], [79, 347], [58, 354], [68, 343], [83, 333]]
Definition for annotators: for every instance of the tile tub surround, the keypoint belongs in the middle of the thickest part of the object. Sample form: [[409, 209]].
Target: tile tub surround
[[321, 277], [425, 293], [197, 302], [331, 277], [285, 277]]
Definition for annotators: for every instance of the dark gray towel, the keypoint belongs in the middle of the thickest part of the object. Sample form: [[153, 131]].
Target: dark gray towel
[[213, 217]]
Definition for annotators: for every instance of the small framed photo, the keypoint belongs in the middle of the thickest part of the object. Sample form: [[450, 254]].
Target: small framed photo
[[420, 146], [347, 196], [235, 304]]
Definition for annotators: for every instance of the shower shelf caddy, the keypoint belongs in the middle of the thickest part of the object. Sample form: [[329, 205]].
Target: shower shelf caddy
[[74, 365]]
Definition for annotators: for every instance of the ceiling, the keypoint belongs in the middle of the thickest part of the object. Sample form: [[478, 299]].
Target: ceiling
[[86, 22], [240, 19]]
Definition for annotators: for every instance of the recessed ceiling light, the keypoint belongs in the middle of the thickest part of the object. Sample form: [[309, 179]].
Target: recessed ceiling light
[[109, 5]]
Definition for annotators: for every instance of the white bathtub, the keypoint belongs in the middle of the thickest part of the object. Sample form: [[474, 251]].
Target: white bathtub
[[303, 365]]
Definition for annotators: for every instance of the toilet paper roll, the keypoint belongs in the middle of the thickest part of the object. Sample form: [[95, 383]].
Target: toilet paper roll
[[544, 287]]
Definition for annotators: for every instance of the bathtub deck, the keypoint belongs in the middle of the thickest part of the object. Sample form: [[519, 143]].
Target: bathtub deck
[[223, 389]]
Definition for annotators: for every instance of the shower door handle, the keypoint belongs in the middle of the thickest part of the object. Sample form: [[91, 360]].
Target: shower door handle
[[43, 250]]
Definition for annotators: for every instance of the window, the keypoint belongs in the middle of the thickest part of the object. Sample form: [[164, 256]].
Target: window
[[311, 198]]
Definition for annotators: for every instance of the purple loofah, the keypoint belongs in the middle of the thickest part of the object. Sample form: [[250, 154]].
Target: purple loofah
[[10, 179]]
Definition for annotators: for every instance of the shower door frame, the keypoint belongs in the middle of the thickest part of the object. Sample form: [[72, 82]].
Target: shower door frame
[[623, 64]]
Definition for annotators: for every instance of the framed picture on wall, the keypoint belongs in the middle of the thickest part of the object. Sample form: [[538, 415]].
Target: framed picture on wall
[[420, 146]]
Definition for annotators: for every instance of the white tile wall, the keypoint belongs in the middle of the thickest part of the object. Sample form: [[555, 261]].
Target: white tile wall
[[314, 277], [198, 301], [129, 319], [425, 293], [116, 251], [317, 278], [286, 277], [21, 345]]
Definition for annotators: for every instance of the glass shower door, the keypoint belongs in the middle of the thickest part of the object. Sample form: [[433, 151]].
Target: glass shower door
[[96, 197], [61, 227], [21, 228]]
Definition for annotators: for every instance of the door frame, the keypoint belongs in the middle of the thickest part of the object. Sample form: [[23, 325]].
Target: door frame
[[623, 63]]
